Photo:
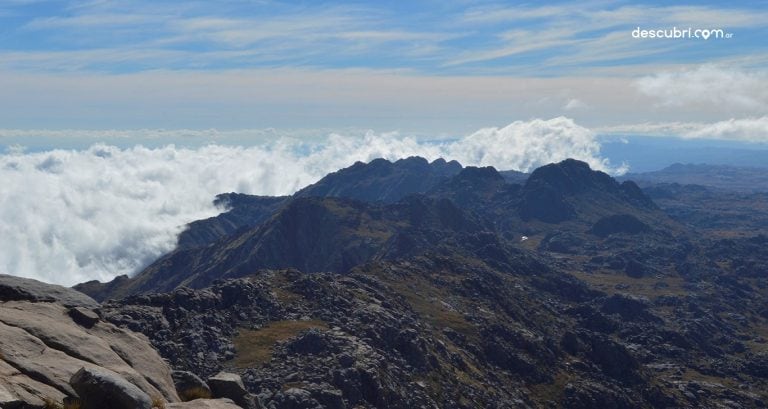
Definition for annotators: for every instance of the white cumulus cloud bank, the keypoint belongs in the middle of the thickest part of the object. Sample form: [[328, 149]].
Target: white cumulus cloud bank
[[68, 216], [728, 88]]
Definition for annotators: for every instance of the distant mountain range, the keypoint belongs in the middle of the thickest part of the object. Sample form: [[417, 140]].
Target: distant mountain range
[[414, 284], [650, 153], [721, 177]]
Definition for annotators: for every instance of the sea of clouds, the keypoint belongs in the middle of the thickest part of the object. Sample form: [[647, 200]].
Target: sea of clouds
[[68, 216]]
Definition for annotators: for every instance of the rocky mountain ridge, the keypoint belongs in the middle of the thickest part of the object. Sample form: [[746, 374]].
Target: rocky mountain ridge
[[335, 234]]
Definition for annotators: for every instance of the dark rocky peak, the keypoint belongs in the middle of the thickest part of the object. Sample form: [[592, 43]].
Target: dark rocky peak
[[472, 187], [448, 167], [479, 175], [472, 179], [514, 177], [242, 211], [478, 178], [570, 177], [550, 193], [382, 180], [101, 291], [416, 162]]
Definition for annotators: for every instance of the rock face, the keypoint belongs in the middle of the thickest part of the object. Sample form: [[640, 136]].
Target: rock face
[[18, 389], [43, 345], [544, 202], [314, 235], [100, 388], [242, 211], [24, 289]]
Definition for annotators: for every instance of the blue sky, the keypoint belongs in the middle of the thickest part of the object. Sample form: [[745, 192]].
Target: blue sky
[[430, 37], [428, 67]]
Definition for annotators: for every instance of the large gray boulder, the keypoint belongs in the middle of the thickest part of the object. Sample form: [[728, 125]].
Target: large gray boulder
[[43, 346], [229, 385], [189, 384], [14, 288], [100, 388]]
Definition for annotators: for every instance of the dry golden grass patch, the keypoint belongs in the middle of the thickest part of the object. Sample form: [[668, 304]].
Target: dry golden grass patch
[[158, 402], [194, 393], [551, 391], [426, 301], [51, 404], [255, 347]]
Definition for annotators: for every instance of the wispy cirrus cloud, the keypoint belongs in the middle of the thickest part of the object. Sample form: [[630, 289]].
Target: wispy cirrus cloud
[[264, 34], [452, 38]]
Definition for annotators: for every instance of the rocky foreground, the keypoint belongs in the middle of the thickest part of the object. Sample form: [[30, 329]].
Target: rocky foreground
[[56, 351]]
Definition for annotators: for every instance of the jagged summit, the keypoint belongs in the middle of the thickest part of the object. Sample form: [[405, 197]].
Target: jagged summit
[[558, 192], [382, 180], [570, 177], [472, 187], [479, 174]]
